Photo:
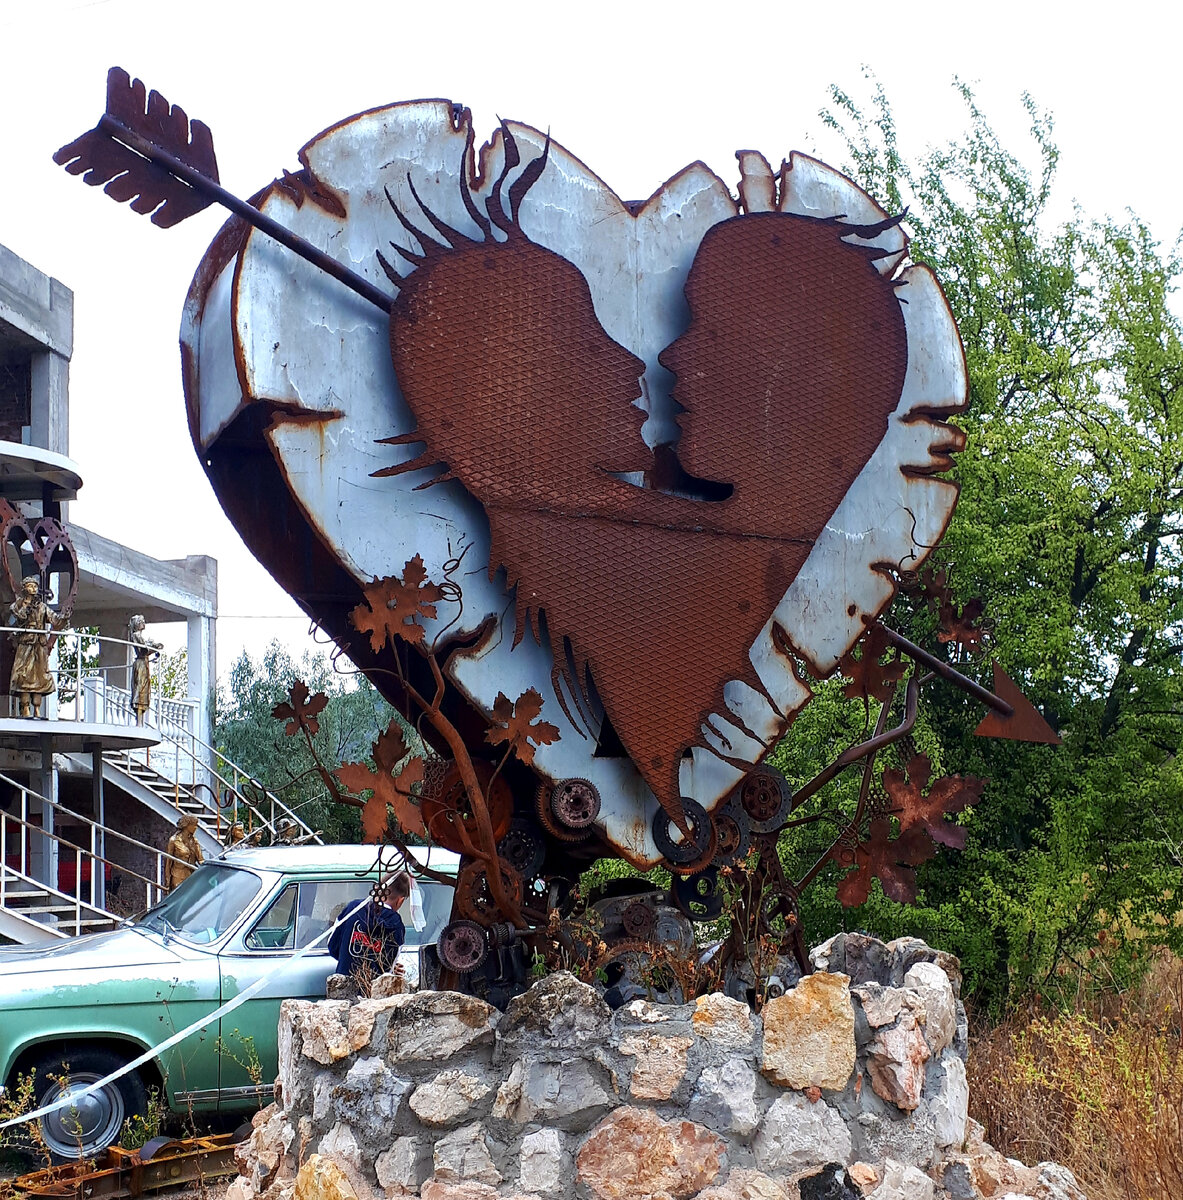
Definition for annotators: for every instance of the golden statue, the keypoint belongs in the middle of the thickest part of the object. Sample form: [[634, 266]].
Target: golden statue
[[141, 673], [30, 679], [182, 845], [236, 834]]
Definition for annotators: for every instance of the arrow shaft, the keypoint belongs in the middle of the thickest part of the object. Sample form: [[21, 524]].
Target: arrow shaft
[[260, 221], [988, 698]]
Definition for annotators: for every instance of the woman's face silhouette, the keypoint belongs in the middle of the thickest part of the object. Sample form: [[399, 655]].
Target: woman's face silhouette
[[512, 379]]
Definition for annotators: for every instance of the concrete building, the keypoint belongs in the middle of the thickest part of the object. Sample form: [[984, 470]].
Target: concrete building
[[89, 797]]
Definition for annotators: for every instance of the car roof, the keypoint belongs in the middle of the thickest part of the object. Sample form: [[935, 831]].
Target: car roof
[[344, 857]]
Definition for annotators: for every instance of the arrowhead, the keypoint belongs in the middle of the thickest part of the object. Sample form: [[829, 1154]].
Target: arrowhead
[[1025, 724]]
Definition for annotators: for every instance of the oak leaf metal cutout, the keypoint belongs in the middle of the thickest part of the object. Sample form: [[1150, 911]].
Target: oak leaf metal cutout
[[301, 710], [868, 676], [392, 605], [916, 810], [391, 790], [516, 725], [889, 861]]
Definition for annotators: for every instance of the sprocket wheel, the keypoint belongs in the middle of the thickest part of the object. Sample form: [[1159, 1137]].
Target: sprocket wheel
[[523, 848], [690, 852], [734, 833], [462, 946], [639, 920], [766, 798], [474, 899], [547, 820], [446, 807], [575, 803], [699, 896]]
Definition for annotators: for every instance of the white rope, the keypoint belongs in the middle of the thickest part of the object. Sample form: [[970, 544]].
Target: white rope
[[72, 1099]]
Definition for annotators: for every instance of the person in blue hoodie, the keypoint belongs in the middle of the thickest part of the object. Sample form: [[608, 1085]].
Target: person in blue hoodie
[[366, 943]]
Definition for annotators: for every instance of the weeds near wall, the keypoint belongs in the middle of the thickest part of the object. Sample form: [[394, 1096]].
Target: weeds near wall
[[1098, 1087]]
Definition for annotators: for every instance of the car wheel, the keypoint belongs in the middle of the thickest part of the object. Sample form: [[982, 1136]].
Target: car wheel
[[93, 1122]]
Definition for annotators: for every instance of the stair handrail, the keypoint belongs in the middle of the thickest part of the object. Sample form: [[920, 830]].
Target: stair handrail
[[114, 695], [96, 829], [231, 786]]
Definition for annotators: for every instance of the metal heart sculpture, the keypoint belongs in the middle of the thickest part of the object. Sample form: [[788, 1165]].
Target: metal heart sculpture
[[671, 453], [42, 548]]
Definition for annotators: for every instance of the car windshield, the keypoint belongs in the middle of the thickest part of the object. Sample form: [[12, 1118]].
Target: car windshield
[[205, 905]]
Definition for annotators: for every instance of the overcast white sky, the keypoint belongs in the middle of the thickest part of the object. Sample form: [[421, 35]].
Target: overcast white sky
[[636, 90]]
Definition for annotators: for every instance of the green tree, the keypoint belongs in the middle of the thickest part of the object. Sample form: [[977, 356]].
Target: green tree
[[247, 733], [1068, 527]]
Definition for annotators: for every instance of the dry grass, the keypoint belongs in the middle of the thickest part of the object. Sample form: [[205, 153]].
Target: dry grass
[[1098, 1088]]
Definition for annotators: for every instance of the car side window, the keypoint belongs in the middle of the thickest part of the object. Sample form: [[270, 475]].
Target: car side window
[[276, 928], [322, 901]]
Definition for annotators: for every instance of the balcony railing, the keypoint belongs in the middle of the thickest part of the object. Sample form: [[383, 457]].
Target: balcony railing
[[68, 880], [87, 693]]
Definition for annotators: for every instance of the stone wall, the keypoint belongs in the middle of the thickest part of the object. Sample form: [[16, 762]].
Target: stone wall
[[853, 1083]]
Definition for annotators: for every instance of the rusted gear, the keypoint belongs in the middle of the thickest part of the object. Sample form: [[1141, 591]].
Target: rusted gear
[[575, 803], [639, 920], [699, 896], [690, 850], [462, 946], [474, 900], [777, 918], [446, 806], [700, 863], [523, 848], [651, 952], [548, 822], [734, 833], [766, 798]]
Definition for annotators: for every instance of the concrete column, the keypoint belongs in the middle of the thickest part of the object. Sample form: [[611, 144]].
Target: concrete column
[[50, 388], [202, 669], [43, 850]]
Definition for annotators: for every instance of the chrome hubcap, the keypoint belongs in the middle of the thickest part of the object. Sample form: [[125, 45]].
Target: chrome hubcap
[[89, 1124]]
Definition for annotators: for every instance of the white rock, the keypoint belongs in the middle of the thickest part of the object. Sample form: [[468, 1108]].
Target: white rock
[[723, 1021], [950, 1106], [432, 1026], [725, 1099], [398, 1167], [660, 1063], [1056, 1182], [797, 1135], [463, 1154], [903, 1182], [340, 1144], [542, 1162], [446, 1099], [940, 1004]]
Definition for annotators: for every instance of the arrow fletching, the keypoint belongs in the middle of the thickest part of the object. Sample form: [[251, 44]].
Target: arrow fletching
[[138, 118]]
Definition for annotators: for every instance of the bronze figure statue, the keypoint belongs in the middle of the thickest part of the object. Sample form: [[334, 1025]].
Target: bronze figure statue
[[141, 673], [183, 846], [30, 679]]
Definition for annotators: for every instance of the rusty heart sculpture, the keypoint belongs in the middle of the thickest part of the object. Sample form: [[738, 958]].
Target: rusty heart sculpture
[[651, 467]]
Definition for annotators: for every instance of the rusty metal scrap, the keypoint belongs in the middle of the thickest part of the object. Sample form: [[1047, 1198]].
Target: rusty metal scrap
[[161, 1163], [653, 470]]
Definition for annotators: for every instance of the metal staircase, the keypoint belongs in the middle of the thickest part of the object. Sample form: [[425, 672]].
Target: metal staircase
[[184, 775], [51, 887], [33, 910]]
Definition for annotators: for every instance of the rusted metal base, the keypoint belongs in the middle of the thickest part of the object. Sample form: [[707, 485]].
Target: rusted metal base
[[159, 1164]]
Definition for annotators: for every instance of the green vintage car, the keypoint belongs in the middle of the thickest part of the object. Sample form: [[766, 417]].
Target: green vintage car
[[76, 1010]]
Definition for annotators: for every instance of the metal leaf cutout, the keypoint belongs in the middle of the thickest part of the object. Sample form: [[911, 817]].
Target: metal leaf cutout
[[301, 710], [917, 810], [392, 606], [516, 725], [391, 789], [868, 676], [889, 861]]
